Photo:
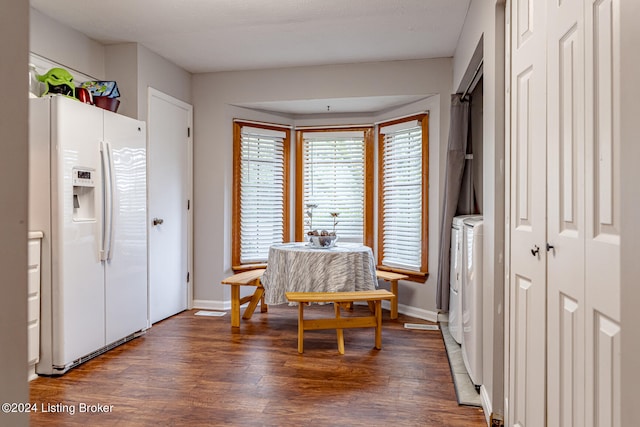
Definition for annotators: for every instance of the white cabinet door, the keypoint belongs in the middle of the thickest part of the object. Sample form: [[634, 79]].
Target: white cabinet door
[[33, 305]]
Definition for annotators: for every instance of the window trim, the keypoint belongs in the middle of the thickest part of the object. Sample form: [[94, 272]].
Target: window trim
[[236, 186], [415, 276], [368, 220]]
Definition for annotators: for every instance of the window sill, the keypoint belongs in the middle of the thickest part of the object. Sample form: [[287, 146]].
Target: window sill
[[414, 276]]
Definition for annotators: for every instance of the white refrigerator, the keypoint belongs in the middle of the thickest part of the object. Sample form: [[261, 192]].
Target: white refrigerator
[[87, 185]]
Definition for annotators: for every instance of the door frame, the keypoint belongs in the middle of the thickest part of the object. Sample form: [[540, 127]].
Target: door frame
[[507, 214], [152, 92]]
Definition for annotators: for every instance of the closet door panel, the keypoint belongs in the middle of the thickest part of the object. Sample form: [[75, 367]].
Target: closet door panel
[[527, 228], [565, 213], [602, 257]]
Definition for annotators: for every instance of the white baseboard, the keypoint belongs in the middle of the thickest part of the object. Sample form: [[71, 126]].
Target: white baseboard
[[486, 403], [410, 311], [32, 373], [431, 316], [203, 304]]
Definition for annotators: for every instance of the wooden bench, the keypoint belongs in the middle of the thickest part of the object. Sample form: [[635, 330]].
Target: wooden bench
[[392, 278], [373, 298], [246, 278]]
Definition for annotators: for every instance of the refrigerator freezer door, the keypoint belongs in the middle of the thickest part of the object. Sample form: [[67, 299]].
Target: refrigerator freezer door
[[126, 266], [77, 272]]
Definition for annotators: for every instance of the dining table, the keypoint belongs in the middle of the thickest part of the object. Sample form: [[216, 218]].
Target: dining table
[[300, 267]]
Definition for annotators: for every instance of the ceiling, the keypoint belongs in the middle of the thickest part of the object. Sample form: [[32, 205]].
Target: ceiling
[[226, 35]]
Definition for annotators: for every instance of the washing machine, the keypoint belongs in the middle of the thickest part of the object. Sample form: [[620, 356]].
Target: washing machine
[[456, 276], [472, 299]]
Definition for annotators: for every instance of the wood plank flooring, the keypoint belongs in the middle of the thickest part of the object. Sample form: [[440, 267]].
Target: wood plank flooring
[[195, 371]]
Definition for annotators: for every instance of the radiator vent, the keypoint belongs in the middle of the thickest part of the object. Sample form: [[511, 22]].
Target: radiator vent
[[421, 326], [62, 369]]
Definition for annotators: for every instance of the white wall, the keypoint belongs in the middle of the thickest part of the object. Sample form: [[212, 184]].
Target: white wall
[[133, 66], [215, 93], [66, 46], [484, 26], [157, 72], [14, 24], [136, 68], [121, 65]]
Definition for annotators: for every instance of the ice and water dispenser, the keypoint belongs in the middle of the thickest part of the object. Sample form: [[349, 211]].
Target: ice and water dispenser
[[83, 194]]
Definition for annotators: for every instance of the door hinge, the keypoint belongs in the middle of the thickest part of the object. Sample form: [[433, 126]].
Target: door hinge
[[187, 277], [188, 132]]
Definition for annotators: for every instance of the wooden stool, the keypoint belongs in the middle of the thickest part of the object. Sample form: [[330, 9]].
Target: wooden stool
[[339, 323], [246, 278], [392, 278]]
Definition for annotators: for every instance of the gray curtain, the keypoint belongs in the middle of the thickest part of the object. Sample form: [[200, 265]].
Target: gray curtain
[[454, 172], [467, 197]]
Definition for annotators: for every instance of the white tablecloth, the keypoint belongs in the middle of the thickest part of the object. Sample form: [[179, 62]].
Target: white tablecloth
[[296, 267]]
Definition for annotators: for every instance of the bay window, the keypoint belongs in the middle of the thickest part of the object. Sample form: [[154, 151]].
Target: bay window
[[260, 191], [334, 184], [403, 173], [334, 176]]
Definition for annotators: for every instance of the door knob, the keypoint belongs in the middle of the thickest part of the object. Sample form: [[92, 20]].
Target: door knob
[[157, 221], [535, 250], [549, 247]]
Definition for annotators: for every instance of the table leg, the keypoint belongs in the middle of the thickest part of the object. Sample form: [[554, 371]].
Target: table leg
[[339, 331], [263, 306], [394, 300], [372, 307], [300, 326], [378, 315], [257, 296], [235, 306]]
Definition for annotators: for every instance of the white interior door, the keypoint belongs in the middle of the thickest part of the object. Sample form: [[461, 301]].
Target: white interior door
[[582, 177], [527, 227], [565, 213], [602, 213], [169, 124]]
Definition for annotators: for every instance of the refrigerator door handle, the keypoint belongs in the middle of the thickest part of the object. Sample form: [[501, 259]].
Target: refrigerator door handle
[[108, 202], [111, 197]]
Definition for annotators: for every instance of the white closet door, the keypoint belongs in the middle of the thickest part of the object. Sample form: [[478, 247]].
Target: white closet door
[[565, 213], [169, 192], [602, 231], [527, 293]]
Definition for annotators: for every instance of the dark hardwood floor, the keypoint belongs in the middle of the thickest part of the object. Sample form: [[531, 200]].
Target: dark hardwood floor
[[193, 370]]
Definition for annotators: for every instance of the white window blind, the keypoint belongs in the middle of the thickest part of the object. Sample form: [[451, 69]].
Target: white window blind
[[402, 195], [333, 180], [261, 192]]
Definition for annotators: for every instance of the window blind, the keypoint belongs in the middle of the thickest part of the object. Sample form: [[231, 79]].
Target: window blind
[[261, 192], [333, 180], [402, 195]]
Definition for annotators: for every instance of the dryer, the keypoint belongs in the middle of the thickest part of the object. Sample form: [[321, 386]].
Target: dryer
[[472, 299], [456, 277]]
